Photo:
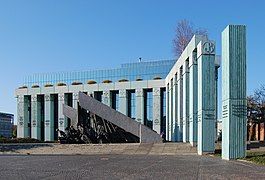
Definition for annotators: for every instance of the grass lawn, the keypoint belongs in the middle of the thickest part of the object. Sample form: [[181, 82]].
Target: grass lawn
[[256, 157]]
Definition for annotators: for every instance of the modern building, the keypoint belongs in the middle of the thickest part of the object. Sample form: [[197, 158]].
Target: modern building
[[135, 89], [152, 93], [6, 124], [175, 98]]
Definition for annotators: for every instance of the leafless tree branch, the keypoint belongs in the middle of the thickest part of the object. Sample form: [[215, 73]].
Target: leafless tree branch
[[183, 34]]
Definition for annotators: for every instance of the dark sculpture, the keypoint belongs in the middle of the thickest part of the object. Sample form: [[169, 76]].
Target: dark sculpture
[[93, 129]]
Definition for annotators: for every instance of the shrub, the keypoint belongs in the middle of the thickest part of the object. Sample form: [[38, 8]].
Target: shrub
[[91, 82], [107, 81], [23, 87], [19, 140], [123, 80], [61, 84], [48, 85]]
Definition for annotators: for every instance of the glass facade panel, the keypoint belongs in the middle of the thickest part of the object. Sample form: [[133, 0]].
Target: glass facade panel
[[148, 108], [129, 71]]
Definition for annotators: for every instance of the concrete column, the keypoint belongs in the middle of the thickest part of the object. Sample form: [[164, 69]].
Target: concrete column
[[167, 112], [36, 117], [75, 100], [186, 102], [75, 106], [193, 136], [23, 129], [175, 110], [170, 108], [62, 123], [234, 118], [216, 101], [123, 101], [206, 99], [180, 107], [49, 118], [139, 100], [106, 97], [157, 110]]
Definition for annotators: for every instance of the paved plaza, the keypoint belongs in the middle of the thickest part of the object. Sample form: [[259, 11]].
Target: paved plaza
[[118, 161], [125, 167]]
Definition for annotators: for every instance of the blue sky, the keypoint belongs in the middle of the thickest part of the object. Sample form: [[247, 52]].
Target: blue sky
[[48, 36]]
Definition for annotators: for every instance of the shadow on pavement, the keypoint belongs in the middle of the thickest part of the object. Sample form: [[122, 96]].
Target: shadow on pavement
[[15, 147]]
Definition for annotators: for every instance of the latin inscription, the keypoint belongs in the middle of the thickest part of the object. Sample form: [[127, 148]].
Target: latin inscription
[[239, 110]]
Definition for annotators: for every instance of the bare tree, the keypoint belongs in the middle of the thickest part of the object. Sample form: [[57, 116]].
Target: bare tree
[[183, 34], [255, 110]]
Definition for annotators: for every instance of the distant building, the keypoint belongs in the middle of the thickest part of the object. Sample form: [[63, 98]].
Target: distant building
[[6, 124]]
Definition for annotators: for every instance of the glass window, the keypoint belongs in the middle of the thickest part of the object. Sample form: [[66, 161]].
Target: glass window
[[115, 100], [131, 104], [130, 71], [163, 112], [98, 95], [148, 108]]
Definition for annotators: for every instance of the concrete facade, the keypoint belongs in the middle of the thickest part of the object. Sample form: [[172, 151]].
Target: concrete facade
[[190, 100], [195, 95], [64, 93]]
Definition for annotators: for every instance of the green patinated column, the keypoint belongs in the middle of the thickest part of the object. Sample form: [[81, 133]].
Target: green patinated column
[[23, 116], [175, 108], [157, 109], [206, 98], [106, 97], [170, 112], [75, 100], [139, 100], [186, 101], [234, 92], [36, 117], [180, 107], [123, 100], [167, 112], [75, 106], [49, 117], [193, 136], [62, 123]]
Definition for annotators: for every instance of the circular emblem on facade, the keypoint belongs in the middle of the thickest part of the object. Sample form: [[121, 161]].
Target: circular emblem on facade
[[208, 47]]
